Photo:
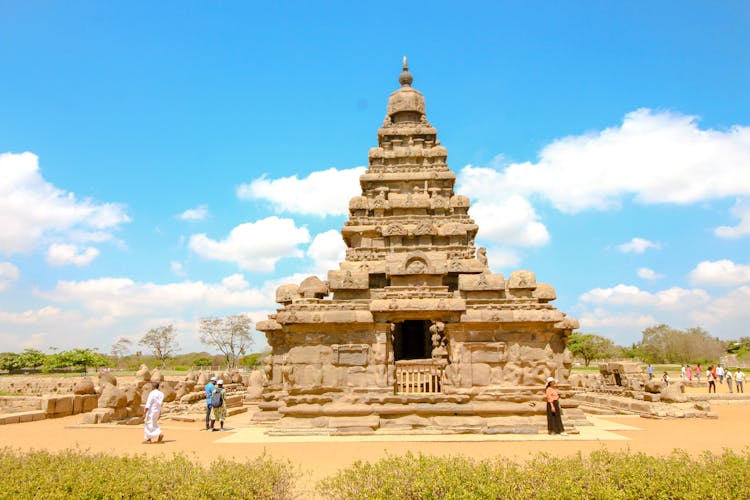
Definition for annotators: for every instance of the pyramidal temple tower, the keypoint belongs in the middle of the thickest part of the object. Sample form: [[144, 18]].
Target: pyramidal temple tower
[[413, 332]]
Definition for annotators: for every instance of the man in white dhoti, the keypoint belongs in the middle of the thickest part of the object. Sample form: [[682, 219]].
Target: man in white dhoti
[[152, 411]]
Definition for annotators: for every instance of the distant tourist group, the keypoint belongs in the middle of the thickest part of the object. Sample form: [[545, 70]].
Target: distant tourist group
[[720, 374], [735, 379]]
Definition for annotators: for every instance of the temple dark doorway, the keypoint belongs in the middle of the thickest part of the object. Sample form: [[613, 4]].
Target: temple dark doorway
[[411, 340]]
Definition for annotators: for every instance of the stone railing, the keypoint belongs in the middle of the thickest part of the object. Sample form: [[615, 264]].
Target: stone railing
[[419, 377]]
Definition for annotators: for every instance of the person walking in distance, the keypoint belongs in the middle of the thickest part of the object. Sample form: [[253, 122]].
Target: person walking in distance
[[209, 390], [218, 406], [152, 411], [728, 376], [739, 380], [711, 379], [650, 371], [554, 415]]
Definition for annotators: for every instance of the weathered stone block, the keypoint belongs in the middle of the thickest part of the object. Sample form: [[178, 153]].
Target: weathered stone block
[[311, 375], [85, 386], [522, 280], [368, 421], [89, 402], [112, 397], [486, 352], [350, 354], [481, 282], [312, 354], [480, 374], [348, 280]]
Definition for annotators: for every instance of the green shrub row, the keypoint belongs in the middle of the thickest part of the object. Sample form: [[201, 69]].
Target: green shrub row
[[602, 474], [76, 474]]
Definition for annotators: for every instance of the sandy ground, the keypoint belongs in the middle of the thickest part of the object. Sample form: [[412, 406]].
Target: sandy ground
[[318, 457]]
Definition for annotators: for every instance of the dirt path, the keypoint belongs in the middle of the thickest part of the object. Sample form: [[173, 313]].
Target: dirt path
[[320, 459]]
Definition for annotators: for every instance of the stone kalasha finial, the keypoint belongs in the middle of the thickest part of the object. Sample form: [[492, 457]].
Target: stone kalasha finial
[[405, 77]]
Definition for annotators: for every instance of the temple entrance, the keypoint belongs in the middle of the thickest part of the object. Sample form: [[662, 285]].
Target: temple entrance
[[416, 371], [411, 340]]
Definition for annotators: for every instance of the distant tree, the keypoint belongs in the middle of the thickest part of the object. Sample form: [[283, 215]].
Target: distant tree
[[10, 361], [202, 361], [32, 358], [121, 348], [77, 358], [162, 341], [590, 347], [230, 335], [251, 360], [664, 344]]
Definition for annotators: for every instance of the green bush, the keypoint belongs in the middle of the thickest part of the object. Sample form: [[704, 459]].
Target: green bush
[[75, 474], [603, 474]]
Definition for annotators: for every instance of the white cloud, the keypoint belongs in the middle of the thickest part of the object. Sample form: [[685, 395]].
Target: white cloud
[[622, 312], [322, 193], [509, 221], [122, 297], [254, 246], [502, 258], [741, 210], [327, 250], [649, 274], [177, 269], [726, 316], [43, 316], [599, 318], [194, 214], [638, 245], [32, 209], [655, 156], [672, 298], [720, 273], [60, 254], [235, 282], [8, 275]]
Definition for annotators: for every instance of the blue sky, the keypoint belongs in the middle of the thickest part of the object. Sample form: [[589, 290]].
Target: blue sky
[[162, 162]]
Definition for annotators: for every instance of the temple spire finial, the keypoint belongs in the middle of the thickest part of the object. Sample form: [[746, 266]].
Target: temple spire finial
[[405, 77]]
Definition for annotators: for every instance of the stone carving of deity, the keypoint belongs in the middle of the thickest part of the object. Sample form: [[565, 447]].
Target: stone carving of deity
[[348, 281], [482, 257], [417, 266], [379, 201]]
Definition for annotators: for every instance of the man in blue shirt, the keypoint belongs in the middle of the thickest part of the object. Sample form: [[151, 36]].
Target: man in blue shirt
[[650, 371], [209, 390]]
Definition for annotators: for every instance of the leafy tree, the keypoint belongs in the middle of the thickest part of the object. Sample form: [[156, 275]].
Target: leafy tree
[[10, 361], [202, 361], [230, 335], [251, 360], [664, 344], [590, 347], [77, 358], [32, 358], [162, 341], [121, 347]]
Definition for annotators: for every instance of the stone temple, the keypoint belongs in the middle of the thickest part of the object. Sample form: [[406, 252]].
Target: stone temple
[[413, 333]]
